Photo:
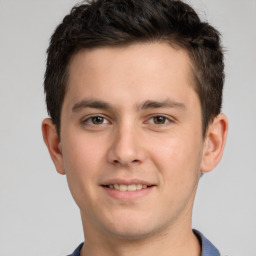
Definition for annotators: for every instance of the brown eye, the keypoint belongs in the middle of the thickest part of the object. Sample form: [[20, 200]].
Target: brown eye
[[159, 120], [95, 123], [97, 120]]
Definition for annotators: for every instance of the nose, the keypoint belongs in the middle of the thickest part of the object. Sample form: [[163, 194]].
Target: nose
[[127, 147]]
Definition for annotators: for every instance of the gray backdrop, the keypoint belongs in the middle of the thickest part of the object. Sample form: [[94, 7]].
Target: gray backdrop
[[37, 214]]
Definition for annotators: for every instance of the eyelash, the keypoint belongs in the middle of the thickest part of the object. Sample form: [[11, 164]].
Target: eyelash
[[89, 120], [166, 120]]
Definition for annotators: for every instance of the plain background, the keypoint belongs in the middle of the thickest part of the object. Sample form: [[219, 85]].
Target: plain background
[[37, 214]]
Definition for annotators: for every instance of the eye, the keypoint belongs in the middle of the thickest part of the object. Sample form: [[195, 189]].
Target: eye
[[96, 120], [158, 120]]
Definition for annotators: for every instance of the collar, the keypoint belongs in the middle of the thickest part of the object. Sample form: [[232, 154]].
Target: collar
[[208, 249]]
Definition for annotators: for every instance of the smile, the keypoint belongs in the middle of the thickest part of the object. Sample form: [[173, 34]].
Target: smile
[[127, 190], [123, 187]]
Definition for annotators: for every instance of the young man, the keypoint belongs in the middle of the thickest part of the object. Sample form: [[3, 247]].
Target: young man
[[134, 91]]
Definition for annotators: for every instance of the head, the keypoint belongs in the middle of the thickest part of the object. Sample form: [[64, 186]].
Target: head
[[118, 23], [133, 89]]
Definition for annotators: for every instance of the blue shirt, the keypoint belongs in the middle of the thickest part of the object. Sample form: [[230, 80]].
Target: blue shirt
[[208, 249]]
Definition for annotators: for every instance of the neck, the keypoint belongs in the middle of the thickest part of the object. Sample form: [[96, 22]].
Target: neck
[[179, 240]]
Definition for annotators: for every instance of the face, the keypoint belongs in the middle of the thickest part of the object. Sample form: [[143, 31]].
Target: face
[[131, 138]]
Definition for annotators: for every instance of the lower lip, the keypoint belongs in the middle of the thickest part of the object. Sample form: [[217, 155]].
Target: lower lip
[[127, 195]]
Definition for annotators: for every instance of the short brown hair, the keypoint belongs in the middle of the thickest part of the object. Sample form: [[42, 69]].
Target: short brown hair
[[122, 22]]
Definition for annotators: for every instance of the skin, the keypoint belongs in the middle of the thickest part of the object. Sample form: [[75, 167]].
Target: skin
[[131, 115]]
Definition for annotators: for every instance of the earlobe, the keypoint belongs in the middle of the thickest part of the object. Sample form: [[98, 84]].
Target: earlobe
[[53, 144], [214, 143]]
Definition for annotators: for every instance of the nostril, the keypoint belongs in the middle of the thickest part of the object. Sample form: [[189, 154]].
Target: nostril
[[126, 163]]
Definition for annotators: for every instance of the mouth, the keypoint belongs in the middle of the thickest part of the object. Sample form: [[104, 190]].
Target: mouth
[[123, 187], [127, 189]]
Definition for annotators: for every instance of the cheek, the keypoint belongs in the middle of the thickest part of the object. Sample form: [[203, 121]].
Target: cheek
[[81, 160], [177, 157], [81, 153], [178, 166]]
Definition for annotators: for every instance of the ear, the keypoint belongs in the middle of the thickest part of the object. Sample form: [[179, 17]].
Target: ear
[[214, 143], [53, 144]]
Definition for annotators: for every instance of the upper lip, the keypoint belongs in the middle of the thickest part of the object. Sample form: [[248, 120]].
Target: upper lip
[[127, 182]]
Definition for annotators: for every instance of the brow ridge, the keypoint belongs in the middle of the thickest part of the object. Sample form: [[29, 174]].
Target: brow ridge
[[98, 104], [161, 104]]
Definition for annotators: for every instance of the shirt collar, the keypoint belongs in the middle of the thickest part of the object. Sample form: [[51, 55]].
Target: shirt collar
[[208, 249]]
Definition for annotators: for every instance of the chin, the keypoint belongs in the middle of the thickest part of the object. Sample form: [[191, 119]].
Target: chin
[[128, 234], [133, 230]]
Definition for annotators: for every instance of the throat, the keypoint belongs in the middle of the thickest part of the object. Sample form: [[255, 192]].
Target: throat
[[160, 245]]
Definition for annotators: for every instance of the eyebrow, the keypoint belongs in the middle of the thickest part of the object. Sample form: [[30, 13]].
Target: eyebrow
[[162, 104], [98, 104], [91, 104]]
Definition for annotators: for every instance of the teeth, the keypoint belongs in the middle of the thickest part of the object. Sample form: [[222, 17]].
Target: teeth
[[122, 187], [132, 187], [139, 186]]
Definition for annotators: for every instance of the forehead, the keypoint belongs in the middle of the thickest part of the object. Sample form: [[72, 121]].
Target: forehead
[[151, 55], [143, 69]]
